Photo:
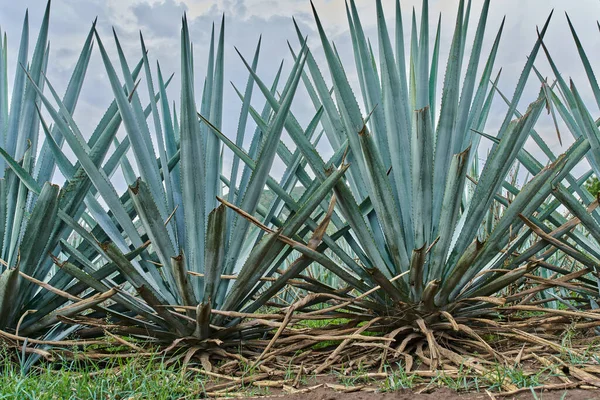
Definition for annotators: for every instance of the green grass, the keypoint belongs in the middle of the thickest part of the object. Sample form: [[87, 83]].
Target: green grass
[[117, 379], [144, 378]]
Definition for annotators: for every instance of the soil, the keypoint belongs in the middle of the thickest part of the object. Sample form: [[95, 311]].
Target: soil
[[441, 394]]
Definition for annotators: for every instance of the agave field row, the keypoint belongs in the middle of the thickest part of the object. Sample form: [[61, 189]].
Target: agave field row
[[403, 233]]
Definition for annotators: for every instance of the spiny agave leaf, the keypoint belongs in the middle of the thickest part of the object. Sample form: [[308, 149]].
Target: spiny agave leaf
[[263, 166], [398, 126], [381, 196], [34, 243], [115, 158], [586, 63], [423, 59], [216, 118], [294, 168], [252, 272], [171, 148], [413, 60], [450, 211], [21, 173], [64, 165], [154, 298], [99, 179], [417, 262], [140, 138], [534, 166], [478, 115], [524, 77], [133, 96], [154, 226], [249, 272], [162, 153], [468, 88], [346, 101], [346, 199], [492, 177], [48, 302], [94, 283], [16, 214], [501, 282], [445, 130], [208, 81], [422, 176], [193, 168], [28, 124], [294, 223], [255, 143], [17, 94], [74, 309], [3, 200], [242, 121], [3, 94], [186, 290], [9, 289], [215, 251], [578, 211], [45, 165], [434, 70], [588, 126], [112, 115], [336, 135], [526, 202], [371, 88]]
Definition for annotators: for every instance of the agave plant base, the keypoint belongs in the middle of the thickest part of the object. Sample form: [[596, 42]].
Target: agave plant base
[[476, 348]]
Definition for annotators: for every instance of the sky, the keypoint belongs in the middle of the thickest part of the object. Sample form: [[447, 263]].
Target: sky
[[247, 20]]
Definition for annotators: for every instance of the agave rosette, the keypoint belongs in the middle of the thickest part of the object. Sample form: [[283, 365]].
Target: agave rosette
[[428, 240]]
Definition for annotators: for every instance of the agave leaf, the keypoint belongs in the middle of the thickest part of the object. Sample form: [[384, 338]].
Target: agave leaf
[[9, 289], [215, 252], [154, 225], [34, 243], [371, 87], [3, 201], [154, 298], [216, 118], [45, 165], [136, 127], [450, 211], [578, 210], [260, 174], [491, 179], [250, 271], [468, 88], [158, 130], [381, 195], [98, 177], [526, 202], [433, 75], [28, 124], [242, 121], [422, 176], [399, 127], [14, 227], [586, 63], [16, 104], [525, 75], [193, 168], [445, 130]]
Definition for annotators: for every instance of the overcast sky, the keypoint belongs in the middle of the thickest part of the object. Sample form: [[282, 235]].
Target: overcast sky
[[246, 20]]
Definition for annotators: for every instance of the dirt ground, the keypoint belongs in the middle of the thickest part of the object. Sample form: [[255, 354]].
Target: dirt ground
[[442, 394]]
